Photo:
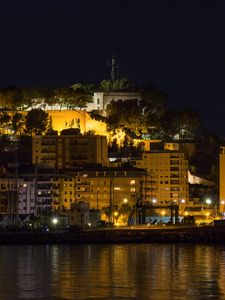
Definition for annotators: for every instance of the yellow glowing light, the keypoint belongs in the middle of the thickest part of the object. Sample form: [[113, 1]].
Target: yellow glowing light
[[116, 213], [186, 213], [125, 200], [208, 201], [55, 221], [163, 213]]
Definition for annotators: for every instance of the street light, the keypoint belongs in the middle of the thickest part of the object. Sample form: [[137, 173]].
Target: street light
[[208, 201], [116, 214], [55, 221], [125, 200]]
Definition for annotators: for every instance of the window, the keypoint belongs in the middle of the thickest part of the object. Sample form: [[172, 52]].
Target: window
[[132, 182], [132, 190], [98, 101], [174, 181]]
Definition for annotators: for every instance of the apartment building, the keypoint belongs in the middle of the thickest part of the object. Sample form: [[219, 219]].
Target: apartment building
[[109, 187], [166, 181], [222, 181], [69, 151], [8, 195], [99, 188], [26, 195], [63, 192]]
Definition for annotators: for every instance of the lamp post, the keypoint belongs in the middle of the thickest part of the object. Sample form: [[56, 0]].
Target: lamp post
[[154, 200], [182, 202], [208, 201], [116, 214], [55, 222], [163, 214]]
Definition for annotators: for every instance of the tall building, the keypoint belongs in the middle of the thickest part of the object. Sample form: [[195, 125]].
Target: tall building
[[63, 191], [166, 181], [69, 151], [222, 181]]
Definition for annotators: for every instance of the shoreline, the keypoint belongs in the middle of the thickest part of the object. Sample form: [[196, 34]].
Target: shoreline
[[205, 234]]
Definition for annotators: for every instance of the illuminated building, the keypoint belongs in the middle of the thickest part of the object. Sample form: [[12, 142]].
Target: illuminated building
[[63, 192], [102, 99], [109, 187], [79, 214], [69, 151], [222, 180], [167, 177]]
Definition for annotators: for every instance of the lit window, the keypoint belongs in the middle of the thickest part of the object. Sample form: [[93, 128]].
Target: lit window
[[132, 190], [132, 182], [117, 188]]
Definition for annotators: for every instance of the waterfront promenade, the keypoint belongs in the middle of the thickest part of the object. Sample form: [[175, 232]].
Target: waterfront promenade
[[205, 234]]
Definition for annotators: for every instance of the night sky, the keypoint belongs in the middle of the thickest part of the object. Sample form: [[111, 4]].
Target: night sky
[[177, 45]]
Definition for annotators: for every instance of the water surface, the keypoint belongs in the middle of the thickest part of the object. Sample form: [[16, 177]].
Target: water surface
[[136, 271]]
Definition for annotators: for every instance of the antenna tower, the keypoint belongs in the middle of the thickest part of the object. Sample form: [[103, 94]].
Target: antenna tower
[[114, 68]]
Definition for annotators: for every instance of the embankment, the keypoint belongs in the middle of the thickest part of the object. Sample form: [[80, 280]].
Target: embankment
[[206, 234]]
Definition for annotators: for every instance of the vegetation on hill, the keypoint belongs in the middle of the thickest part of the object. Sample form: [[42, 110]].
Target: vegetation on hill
[[147, 117]]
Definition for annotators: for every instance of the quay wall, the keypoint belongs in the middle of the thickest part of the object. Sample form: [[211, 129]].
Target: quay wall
[[207, 234]]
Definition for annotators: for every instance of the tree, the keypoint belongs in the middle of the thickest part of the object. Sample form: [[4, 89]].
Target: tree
[[133, 116], [114, 146], [36, 121], [106, 85], [117, 85], [10, 97], [4, 121], [73, 97], [17, 122]]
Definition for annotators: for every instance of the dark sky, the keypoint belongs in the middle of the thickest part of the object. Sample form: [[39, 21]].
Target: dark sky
[[178, 45]]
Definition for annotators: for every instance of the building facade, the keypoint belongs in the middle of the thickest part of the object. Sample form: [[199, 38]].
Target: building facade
[[166, 181], [222, 181], [100, 100], [69, 151]]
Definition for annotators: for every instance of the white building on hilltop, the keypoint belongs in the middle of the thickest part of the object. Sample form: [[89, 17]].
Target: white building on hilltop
[[100, 100]]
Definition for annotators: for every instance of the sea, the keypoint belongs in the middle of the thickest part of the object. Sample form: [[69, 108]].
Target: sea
[[112, 271]]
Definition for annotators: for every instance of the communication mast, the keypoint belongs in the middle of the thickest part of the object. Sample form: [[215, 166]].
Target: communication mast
[[114, 68]]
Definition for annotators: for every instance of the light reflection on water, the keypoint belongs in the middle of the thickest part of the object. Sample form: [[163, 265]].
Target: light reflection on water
[[112, 272]]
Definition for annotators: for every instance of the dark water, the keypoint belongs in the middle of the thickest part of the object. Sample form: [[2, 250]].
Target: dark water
[[112, 272]]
